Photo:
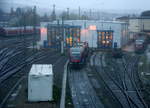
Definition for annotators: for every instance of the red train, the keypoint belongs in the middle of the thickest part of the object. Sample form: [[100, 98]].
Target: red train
[[78, 55], [16, 31]]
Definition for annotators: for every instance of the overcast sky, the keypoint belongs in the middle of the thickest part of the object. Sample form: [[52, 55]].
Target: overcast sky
[[87, 4], [120, 5]]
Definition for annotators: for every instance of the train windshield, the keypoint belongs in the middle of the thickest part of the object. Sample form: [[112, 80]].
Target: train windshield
[[76, 54], [75, 50]]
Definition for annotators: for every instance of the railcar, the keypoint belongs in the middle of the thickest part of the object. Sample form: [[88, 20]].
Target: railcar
[[16, 31], [140, 45], [78, 56]]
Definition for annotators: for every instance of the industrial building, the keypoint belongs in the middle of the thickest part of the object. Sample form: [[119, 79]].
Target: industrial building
[[137, 24], [56, 33], [89, 29], [53, 34]]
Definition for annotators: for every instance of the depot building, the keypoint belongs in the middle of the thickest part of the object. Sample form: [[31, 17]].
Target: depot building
[[117, 32]]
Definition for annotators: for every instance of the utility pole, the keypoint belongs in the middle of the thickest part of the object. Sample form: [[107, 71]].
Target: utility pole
[[62, 39], [23, 35], [68, 14], [85, 15], [90, 14], [98, 15], [53, 15], [58, 36], [34, 26], [79, 12]]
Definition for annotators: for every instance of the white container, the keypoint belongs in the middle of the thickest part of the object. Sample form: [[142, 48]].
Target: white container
[[40, 83]]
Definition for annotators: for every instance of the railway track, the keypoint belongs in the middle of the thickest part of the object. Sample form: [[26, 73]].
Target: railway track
[[98, 69], [83, 94], [16, 74], [14, 42], [122, 84], [132, 72]]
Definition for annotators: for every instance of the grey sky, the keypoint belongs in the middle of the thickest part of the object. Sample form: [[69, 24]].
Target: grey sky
[[93, 4]]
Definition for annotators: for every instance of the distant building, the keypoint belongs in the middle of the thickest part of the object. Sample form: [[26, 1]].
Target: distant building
[[134, 25], [123, 19], [139, 24]]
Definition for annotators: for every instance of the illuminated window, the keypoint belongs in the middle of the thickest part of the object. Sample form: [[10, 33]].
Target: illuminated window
[[102, 33], [106, 37], [99, 37], [103, 37], [103, 42], [99, 33], [107, 42], [110, 37], [70, 39], [67, 39], [92, 27]]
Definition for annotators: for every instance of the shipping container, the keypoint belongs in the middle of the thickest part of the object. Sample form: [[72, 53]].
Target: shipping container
[[40, 83]]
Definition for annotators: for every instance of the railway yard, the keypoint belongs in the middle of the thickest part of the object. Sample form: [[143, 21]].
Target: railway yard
[[94, 54], [111, 86], [16, 61], [103, 82]]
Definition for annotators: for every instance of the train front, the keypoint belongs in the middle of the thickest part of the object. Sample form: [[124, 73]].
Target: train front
[[76, 59]]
